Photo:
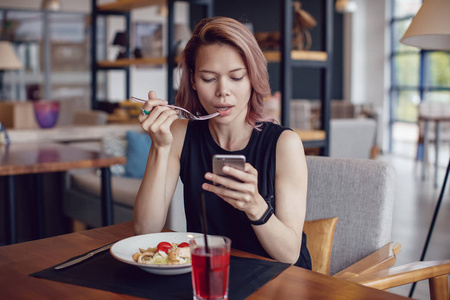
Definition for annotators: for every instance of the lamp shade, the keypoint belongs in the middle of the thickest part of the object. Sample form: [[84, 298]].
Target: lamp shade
[[430, 28], [8, 58], [121, 39]]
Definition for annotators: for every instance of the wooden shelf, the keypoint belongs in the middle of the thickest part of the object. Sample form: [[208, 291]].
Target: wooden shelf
[[126, 62], [311, 135], [128, 5], [275, 56]]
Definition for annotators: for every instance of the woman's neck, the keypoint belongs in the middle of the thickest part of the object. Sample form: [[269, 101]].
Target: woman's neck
[[231, 138]]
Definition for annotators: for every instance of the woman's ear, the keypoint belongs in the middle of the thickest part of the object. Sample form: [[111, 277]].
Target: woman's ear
[[192, 80]]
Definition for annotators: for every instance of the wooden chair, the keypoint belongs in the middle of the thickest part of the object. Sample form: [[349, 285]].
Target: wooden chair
[[434, 110], [348, 227]]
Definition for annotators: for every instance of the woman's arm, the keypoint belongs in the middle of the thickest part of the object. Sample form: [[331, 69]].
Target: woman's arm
[[163, 166], [281, 236]]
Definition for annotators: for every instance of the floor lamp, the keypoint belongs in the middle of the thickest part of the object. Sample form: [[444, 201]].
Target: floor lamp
[[430, 30]]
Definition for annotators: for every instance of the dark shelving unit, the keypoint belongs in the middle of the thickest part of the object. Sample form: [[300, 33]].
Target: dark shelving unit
[[287, 64], [123, 8]]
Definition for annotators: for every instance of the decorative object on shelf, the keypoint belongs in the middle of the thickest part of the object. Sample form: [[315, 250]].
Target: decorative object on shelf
[[301, 37], [268, 41], [182, 35], [430, 28], [8, 62], [122, 40], [46, 113], [148, 37], [303, 22], [52, 5], [345, 6]]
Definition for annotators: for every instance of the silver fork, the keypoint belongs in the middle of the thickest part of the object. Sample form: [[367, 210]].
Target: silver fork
[[185, 113]]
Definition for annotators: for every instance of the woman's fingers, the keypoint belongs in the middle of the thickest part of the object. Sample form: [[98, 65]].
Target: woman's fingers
[[152, 95], [249, 175], [227, 194], [161, 121], [241, 192], [157, 119]]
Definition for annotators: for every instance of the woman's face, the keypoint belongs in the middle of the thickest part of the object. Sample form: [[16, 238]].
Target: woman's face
[[222, 83]]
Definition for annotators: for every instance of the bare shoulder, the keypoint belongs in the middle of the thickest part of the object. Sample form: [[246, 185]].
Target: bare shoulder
[[289, 141], [290, 152]]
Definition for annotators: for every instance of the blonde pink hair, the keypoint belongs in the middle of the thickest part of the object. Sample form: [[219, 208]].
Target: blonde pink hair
[[222, 30]]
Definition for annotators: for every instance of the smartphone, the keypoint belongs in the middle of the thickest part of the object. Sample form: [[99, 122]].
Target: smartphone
[[232, 160]]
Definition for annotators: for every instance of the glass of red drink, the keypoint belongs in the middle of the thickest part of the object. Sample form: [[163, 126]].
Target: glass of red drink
[[210, 269]]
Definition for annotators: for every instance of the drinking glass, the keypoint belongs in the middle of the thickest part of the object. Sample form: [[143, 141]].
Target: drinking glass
[[210, 267]]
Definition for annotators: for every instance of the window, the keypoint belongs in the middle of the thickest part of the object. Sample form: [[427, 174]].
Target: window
[[417, 75]]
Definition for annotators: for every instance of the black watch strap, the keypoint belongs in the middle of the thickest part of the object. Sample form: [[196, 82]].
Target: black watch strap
[[265, 217]]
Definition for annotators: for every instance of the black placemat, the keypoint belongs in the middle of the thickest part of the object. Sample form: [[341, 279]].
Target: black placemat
[[104, 272]]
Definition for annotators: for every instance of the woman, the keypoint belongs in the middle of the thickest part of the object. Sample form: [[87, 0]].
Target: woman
[[223, 70]]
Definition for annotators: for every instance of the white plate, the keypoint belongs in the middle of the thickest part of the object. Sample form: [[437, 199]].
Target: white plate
[[123, 250]]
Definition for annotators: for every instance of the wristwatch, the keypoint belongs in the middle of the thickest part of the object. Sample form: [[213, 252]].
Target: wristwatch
[[265, 217]]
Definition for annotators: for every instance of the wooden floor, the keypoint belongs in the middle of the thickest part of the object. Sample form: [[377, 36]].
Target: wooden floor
[[414, 207]]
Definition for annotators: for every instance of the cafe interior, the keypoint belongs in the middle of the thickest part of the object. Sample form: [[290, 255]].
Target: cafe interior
[[365, 84]]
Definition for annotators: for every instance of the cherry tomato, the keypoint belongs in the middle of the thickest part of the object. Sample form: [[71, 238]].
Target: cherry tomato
[[182, 245], [164, 247]]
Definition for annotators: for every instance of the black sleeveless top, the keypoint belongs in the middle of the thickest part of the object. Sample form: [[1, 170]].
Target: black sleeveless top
[[223, 219]]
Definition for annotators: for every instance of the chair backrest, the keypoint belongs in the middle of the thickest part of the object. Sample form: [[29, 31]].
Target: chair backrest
[[360, 192], [435, 109]]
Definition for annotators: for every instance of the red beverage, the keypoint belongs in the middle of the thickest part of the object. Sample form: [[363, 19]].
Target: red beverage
[[210, 273]]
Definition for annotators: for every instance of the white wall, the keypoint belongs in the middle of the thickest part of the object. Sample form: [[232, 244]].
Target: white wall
[[366, 59]]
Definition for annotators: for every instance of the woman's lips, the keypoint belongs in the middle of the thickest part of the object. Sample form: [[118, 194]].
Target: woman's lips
[[224, 111]]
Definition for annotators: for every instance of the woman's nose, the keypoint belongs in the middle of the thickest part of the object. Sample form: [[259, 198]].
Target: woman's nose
[[222, 88]]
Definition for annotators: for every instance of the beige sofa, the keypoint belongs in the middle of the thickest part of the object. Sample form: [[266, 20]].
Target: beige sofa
[[81, 201]]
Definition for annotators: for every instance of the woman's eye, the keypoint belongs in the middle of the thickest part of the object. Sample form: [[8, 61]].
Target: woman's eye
[[237, 78], [207, 79]]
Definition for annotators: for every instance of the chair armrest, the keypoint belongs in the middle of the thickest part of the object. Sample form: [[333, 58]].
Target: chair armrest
[[381, 259], [405, 274]]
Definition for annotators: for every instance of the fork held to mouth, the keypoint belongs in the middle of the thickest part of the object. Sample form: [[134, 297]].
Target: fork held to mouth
[[185, 113]]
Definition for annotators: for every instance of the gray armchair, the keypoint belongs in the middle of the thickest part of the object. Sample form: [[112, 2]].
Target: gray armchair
[[360, 193]]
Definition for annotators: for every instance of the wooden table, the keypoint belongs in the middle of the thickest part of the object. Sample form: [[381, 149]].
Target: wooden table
[[19, 260], [39, 158], [437, 120]]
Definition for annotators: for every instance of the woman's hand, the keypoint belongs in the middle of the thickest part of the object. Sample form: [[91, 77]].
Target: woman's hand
[[243, 195], [157, 123]]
